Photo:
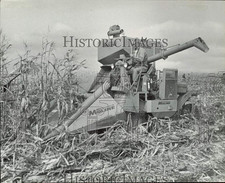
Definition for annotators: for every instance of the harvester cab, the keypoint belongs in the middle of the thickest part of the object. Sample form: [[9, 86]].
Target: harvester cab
[[128, 84]]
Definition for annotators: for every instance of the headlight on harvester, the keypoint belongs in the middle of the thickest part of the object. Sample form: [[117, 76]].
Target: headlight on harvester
[[112, 66]]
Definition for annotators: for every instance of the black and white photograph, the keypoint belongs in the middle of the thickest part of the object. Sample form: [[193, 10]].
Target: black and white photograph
[[102, 91]]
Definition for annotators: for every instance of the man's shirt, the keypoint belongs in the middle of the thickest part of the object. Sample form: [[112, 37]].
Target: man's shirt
[[141, 56]]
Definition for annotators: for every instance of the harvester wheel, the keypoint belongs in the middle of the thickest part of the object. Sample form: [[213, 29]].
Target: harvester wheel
[[197, 112], [187, 108]]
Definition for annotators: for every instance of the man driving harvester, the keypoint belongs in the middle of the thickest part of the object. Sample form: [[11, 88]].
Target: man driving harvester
[[139, 59], [137, 64]]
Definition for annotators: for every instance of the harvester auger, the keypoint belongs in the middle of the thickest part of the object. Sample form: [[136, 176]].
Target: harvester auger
[[115, 95]]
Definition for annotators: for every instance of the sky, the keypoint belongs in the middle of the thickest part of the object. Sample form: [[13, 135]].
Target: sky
[[178, 21]]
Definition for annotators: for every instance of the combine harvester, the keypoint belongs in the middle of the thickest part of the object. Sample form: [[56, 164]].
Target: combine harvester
[[117, 95]]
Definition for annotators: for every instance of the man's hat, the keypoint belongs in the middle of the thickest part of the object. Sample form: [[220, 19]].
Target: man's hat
[[115, 31]]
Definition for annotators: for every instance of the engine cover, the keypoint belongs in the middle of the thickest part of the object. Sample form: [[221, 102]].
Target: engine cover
[[168, 84]]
